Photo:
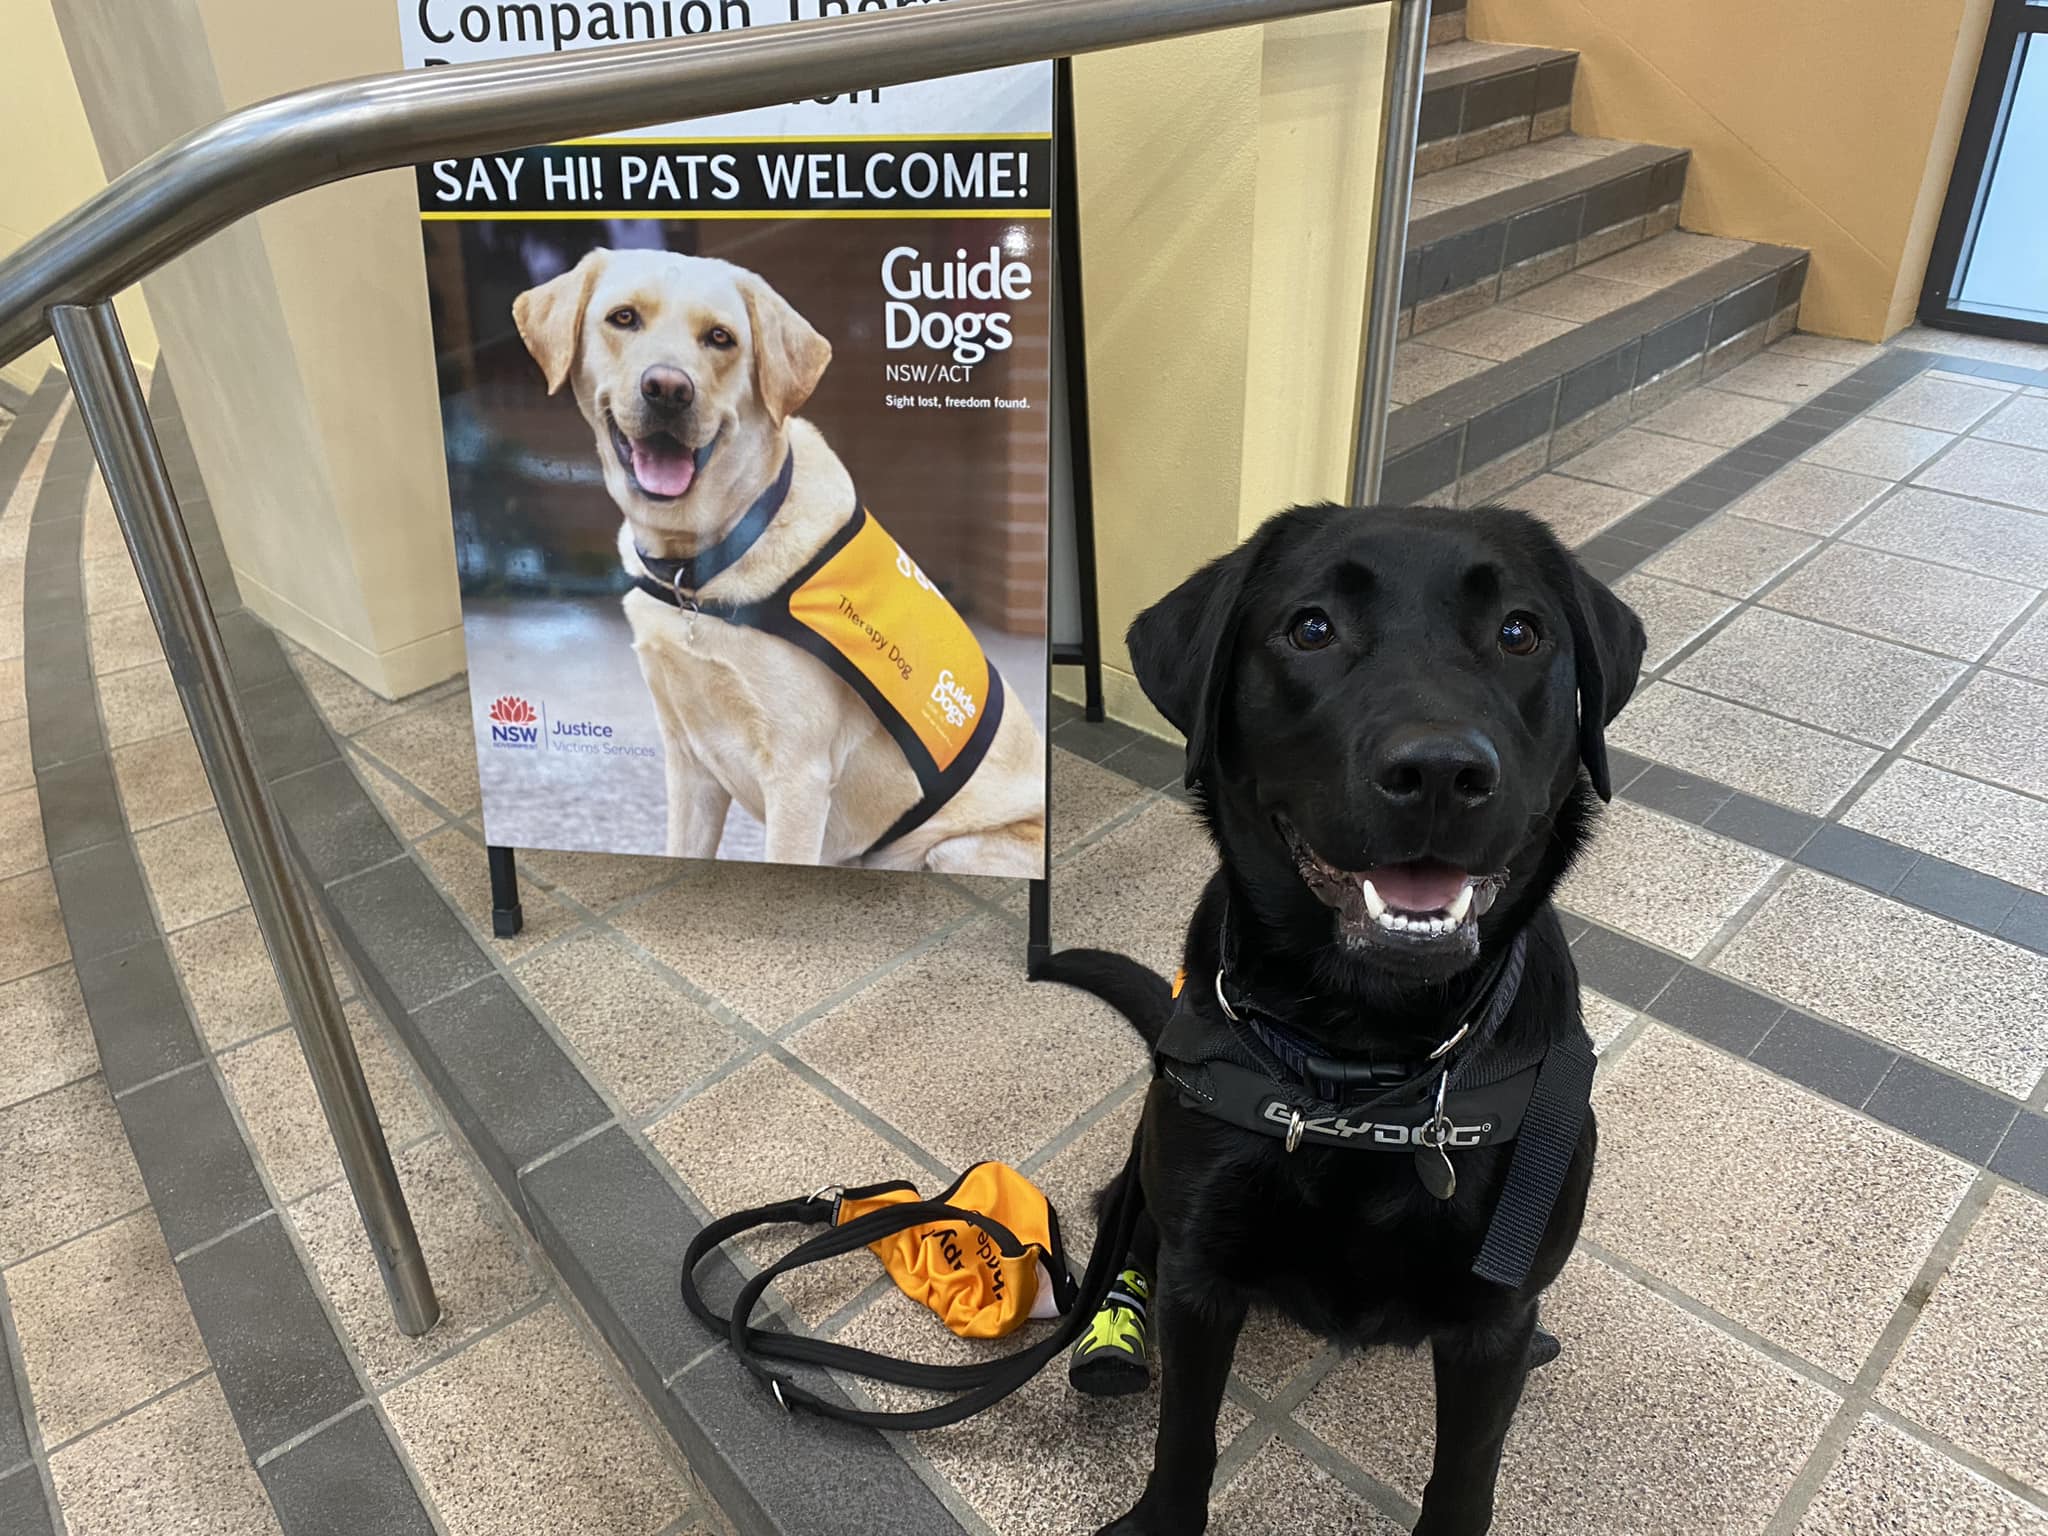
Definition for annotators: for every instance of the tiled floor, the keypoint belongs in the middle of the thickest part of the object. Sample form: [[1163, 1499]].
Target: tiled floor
[[1814, 929], [125, 1406]]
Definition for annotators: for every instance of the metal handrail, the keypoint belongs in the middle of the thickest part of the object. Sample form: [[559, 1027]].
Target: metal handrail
[[270, 151], [62, 283]]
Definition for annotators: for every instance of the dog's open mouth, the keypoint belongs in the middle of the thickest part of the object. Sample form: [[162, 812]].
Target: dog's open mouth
[[660, 465], [1416, 903]]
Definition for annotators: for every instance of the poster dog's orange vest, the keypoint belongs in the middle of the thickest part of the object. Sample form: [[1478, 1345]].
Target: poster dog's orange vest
[[863, 608]]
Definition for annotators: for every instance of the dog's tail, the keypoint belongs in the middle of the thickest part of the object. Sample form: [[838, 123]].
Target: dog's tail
[[1139, 994]]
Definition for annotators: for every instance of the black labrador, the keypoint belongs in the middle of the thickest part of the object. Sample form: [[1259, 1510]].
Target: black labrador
[[1394, 723]]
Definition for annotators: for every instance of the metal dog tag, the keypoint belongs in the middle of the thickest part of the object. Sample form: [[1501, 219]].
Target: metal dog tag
[[1432, 1162]]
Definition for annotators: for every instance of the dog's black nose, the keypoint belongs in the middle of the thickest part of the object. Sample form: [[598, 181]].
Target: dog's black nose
[[1450, 766], [667, 388]]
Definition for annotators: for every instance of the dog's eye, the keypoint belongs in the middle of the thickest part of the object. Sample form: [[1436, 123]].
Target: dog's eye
[[625, 318], [719, 337], [1519, 635], [1311, 631]]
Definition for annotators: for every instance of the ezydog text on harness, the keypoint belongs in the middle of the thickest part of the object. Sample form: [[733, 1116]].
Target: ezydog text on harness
[[863, 608]]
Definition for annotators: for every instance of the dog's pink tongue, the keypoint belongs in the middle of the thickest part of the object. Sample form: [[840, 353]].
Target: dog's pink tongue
[[1424, 886], [663, 466]]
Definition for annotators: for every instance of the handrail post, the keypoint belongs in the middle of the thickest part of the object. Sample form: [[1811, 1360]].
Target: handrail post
[[117, 420], [1403, 98]]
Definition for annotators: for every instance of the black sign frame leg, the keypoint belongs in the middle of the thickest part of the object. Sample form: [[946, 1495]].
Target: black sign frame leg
[[506, 916]]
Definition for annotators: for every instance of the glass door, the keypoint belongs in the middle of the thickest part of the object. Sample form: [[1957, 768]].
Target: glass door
[[1989, 269]]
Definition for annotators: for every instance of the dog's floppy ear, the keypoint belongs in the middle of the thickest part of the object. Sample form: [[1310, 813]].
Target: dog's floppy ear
[[550, 317], [1180, 651], [789, 354], [1607, 645]]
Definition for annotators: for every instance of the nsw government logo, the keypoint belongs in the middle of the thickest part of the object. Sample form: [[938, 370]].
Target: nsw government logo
[[514, 724]]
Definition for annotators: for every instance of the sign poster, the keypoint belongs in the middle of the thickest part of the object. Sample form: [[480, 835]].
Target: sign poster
[[747, 424]]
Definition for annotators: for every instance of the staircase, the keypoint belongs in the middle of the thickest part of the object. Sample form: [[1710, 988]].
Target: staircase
[[1548, 295]]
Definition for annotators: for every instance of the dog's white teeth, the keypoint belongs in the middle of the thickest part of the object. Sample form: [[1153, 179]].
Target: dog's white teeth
[[1374, 906], [1461, 906], [1488, 895]]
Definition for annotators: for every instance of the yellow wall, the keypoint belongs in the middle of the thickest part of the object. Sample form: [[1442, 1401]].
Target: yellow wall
[[50, 166], [1226, 214], [1821, 123]]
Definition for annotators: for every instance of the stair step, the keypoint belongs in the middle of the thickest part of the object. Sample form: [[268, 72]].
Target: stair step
[[1481, 98], [1446, 25], [1485, 232], [1487, 401]]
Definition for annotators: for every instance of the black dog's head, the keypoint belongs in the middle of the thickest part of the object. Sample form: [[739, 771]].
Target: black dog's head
[[1388, 715]]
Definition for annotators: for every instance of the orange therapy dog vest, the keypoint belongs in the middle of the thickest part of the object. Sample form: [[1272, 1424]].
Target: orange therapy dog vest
[[863, 608]]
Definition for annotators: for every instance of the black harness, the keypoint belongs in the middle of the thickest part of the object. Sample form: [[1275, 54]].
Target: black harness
[[680, 583], [1239, 1063]]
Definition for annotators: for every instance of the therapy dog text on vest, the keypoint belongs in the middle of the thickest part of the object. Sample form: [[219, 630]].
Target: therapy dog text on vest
[[873, 605]]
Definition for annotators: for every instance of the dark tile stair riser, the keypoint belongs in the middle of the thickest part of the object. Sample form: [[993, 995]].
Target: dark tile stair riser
[[1470, 98], [1435, 442], [1475, 243]]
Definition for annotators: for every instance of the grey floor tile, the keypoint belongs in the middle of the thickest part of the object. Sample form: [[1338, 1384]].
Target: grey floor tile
[[68, 1168], [335, 823], [138, 1015], [2027, 650], [1956, 1116], [523, 1434], [1672, 615], [1279, 1478], [1163, 851], [1890, 971], [1708, 415], [1887, 1481], [192, 1156], [2027, 925], [1579, 297], [1497, 334], [1640, 461], [191, 870], [422, 949], [1624, 969], [645, 1040], [32, 935], [1687, 796], [1824, 1057], [1970, 1369], [828, 928], [1574, 509], [2023, 1155], [434, 747], [1992, 730], [103, 1326], [1715, 1010], [1778, 376], [228, 977], [1958, 531], [343, 1481], [618, 1230], [81, 808], [1730, 555], [1932, 607], [1645, 1396], [24, 1507], [1962, 820], [272, 1346], [479, 1271], [2001, 472], [509, 1084], [1858, 857], [1663, 880], [913, 1067], [106, 907], [2023, 421], [1660, 263], [458, 864], [1150, 762], [798, 1140], [1961, 895], [1420, 370], [176, 1465], [1854, 1208], [1857, 687], [49, 1038], [1889, 450], [1773, 828], [1941, 404], [1778, 760]]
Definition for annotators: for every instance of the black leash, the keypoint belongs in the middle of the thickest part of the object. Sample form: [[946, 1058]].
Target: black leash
[[981, 1384]]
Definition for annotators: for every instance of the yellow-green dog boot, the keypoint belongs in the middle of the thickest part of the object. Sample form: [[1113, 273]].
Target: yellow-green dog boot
[[1109, 1360]]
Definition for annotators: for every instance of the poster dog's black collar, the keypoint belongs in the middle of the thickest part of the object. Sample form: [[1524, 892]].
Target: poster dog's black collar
[[677, 582]]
